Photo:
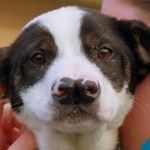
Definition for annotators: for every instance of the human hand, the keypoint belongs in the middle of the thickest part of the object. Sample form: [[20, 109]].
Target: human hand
[[136, 128], [14, 135]]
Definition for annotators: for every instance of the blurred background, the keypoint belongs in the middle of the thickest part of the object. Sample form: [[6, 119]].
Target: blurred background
[[15, 14]]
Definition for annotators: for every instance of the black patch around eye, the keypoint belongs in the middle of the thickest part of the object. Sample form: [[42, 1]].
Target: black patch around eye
[[31, 55], [105, 47]]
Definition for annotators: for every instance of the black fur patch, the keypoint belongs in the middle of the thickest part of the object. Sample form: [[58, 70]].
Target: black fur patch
[[99, 31], [24, 73]]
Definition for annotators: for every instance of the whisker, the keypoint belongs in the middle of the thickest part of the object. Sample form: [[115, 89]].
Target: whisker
[[18, 109], [16, 103]]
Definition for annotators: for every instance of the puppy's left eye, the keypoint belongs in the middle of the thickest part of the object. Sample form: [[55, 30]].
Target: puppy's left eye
[[104, 54], [38, 59]]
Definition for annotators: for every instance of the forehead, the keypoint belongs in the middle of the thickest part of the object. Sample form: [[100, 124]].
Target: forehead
[[63, 18], [64, 25], [70, 19], [68, 24]]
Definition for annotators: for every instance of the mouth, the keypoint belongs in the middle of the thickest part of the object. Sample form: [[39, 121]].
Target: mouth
[[76, 115]]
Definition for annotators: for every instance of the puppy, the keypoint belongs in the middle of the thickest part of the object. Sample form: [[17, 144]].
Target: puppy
[[71, 76]]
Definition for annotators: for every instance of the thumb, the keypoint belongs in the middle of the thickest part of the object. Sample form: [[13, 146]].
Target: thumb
[[25, 142]]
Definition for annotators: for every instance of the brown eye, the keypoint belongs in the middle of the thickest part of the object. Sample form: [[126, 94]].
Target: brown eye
[[104, 54], [38, 59]]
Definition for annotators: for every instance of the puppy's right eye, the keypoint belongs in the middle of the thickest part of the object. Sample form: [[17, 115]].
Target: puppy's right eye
[[104, 54], [38, 59]]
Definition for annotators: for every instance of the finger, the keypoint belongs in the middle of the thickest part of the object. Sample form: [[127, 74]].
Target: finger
[[7, 120], [23, 129], [24, 142], [137, 124], [17, 123], [3, 140], [14, 135]]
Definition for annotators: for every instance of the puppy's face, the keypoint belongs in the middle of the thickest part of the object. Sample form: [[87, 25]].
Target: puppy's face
[[75, 69]]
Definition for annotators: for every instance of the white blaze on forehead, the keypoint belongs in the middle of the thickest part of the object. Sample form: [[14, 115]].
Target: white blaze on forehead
[[64, 24]]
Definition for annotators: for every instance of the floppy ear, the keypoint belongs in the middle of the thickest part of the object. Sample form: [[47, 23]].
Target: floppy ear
[[4, 72], [138, 36]]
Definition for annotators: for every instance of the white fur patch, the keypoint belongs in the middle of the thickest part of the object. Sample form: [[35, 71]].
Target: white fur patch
[[64, 24]]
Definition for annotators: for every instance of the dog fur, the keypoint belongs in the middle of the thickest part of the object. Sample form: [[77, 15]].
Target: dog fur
[[68, 42]]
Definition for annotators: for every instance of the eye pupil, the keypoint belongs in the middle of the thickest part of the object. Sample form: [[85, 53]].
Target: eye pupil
[[104, 54], [38, 59]]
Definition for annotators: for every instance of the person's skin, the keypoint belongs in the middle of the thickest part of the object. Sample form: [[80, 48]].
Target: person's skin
[[14, 135], [136, 128]]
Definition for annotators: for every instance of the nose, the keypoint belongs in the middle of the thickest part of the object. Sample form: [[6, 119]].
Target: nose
[[67, 91]]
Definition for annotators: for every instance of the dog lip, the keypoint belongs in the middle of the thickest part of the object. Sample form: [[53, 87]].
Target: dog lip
[[77, 109]]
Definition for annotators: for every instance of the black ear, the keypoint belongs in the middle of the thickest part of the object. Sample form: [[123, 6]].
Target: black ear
[[4, 72], [137, 35]]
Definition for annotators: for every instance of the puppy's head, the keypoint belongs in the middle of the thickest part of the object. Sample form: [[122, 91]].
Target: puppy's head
[[75, 69]]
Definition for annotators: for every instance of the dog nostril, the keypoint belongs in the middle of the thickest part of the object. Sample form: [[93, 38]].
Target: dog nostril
[[62, 91], [58, 89], [89, 91], [91, 88]]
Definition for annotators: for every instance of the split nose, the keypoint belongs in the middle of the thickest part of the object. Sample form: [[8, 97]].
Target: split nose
[[67, 91]]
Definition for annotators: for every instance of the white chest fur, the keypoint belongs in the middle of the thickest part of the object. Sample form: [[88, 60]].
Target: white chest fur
[[95, 140]]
